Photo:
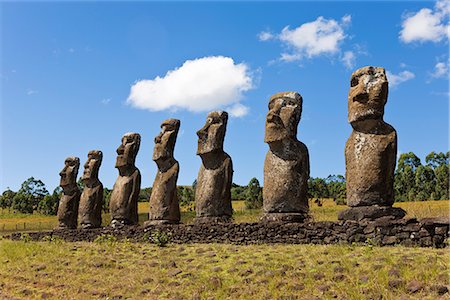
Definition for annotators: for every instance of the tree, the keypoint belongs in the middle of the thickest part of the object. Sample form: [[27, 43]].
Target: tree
[[27, 198], [49, 204], [106, 197], [425, 182], [6, 199], [317, 188], [237, 192], [185, 196], [442, 182], [253, 194], [337, 188], [144, 194], [405, 178], [435, 160]]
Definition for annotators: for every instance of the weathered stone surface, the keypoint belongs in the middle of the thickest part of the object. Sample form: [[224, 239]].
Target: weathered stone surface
[[370, 212], [164, 206], [125, 194], [91, 201], [213, 191], [370, 152], [268, 232], [70, 199], [286, 167]]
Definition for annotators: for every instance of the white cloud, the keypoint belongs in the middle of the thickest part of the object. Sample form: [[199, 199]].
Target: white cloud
[[203, 84], [440, 70], [238, 110], [265, 36], [319, 37], [349, 59], [396, 79], [427, 24], [106, 101], [31, 92]]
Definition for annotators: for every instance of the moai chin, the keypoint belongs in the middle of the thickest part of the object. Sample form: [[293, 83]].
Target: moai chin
[[125, 193], [91, 201], [371, 150], [213, 191], [286, 167], [70, 198], [164, 206]]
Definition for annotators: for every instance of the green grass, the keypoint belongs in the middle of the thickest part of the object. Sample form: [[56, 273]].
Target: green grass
[[10, 222], [62, 270]]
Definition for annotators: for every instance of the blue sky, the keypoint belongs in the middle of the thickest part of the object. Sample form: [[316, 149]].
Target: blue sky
[[67, 70]]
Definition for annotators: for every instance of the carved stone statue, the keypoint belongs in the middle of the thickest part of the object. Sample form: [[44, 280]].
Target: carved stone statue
[[125, 193], [91, 201], [286, 168], [70, 199], [370, 152], [213, 191], [164, 206]]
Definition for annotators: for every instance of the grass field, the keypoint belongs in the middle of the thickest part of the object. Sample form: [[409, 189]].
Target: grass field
[[10, 222], [111, 269], [124, 270]]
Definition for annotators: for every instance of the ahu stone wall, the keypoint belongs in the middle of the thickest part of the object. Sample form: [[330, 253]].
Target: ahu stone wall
[[383, 232]]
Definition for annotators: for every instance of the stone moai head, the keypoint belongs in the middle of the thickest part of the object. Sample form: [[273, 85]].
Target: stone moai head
[[92, 165], [165, 140], [127, 151], [211, 136], [368, 94], [69, 172], [285, 110]]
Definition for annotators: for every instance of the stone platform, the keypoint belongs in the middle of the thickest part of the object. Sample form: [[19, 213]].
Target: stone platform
[[431, 232]]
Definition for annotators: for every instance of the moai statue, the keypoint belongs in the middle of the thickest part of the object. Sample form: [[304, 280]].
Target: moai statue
[[91, 201], [371, 150], [70, 199], [164, 207], [213, 191], [125, 193], [286, 168]]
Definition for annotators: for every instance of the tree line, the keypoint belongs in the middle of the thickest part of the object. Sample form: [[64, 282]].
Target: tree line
[[412, 181]]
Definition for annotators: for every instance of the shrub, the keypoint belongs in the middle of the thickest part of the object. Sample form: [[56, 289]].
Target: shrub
[[160, 238]]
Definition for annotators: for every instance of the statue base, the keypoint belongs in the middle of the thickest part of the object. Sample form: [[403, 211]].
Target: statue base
[[370, 213], [160, 222], [286, 217], [206, 220]]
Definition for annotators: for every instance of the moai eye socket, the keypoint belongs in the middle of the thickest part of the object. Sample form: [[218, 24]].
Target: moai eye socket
[[354, 81]]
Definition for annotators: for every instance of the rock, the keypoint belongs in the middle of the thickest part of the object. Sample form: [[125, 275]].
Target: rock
[[374, 212], [91, 200], [164, 205], [338, 277], [174, 272], [125, 193], [213, 190], [395, 283], [394, 272], [216, 269], [286, 167], [439, 289], [70, 198], [414, 286], [370, 152]]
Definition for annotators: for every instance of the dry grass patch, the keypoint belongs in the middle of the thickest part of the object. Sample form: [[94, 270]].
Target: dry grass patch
[[112, 269]]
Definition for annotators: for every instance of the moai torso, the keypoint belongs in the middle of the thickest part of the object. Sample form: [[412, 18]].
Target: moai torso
[[286, 182], [164, 204], [370, 165], [124, 197], [70, 199], [68, 210], [91, 201], [90, 209], [213, 190], [286, 167]]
